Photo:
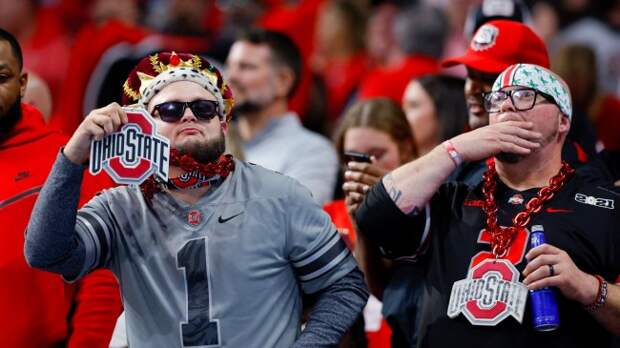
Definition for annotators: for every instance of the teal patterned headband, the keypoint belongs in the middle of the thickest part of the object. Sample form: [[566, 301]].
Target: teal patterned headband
[[540, 79]]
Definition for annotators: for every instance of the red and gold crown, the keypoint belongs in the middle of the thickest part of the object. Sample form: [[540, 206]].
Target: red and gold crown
[[154, 72]]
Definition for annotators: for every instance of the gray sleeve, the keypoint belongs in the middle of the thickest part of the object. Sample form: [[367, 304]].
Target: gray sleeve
[[317, 252], [337, 307], [53, 240]]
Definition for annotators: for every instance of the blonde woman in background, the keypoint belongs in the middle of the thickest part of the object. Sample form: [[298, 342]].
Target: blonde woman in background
[[379, 129]]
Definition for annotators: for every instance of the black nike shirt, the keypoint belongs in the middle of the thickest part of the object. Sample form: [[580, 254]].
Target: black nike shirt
[[581, 219]]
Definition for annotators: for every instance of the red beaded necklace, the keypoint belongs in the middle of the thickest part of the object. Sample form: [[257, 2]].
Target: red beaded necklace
[[196, 174], [502, 237]]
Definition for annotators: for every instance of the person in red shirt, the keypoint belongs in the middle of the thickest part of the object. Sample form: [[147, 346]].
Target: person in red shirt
[[42, 34], [495, 46], [339, 57], [420, 32], [39, 309]]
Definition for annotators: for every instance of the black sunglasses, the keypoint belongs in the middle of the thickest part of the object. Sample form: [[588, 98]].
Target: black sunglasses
[[173, 111]]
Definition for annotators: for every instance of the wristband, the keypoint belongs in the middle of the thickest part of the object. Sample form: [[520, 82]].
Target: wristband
[[601, 296], [456, 157]]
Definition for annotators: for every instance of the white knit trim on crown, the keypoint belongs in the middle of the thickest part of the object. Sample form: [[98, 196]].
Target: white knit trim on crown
[[179, 74]]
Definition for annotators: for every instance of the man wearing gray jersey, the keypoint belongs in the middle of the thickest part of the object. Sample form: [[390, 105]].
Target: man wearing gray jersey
[[218, 261]]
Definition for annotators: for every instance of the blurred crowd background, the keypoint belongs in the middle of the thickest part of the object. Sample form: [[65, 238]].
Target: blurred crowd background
[[81, 51], [370, 68]]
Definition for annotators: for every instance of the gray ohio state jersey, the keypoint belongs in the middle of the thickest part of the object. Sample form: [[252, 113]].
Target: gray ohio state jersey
[[227, 271]]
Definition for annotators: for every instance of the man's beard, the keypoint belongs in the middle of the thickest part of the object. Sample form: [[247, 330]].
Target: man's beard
[[254, 104], [10, 118], [207, 152], [247, 108], [512, 158]]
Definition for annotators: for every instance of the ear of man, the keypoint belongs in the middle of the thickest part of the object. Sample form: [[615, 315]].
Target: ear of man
[[285, 78], [564, 123], [23, 83]]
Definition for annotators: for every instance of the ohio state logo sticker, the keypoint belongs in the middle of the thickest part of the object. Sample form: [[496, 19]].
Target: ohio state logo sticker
[[485, 37], [516, 199], [490, 293], [133, 153]]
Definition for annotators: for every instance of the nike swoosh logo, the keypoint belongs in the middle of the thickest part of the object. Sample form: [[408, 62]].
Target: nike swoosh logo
[[222, 220], [558, 210]]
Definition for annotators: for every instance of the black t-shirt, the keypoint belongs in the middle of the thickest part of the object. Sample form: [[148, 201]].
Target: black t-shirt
[[581, 220]]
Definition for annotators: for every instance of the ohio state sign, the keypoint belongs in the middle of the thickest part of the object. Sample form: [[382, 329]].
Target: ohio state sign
[[490, 293], [133, 153]]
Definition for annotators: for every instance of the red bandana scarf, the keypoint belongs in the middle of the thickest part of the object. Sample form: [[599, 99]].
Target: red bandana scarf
[[195, 174]]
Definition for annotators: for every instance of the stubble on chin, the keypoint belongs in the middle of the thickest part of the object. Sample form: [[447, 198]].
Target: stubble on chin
[[509, 158], [9, 120], [254, 104], [246, 108], [205, 151]]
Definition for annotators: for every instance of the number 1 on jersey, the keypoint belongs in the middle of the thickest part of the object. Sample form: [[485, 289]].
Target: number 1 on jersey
[[199, 330]]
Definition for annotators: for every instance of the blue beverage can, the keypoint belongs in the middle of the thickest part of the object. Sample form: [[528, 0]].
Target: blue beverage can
[[545, 315]]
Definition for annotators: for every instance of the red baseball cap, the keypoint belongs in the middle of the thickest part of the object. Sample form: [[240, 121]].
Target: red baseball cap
[[499, 44]]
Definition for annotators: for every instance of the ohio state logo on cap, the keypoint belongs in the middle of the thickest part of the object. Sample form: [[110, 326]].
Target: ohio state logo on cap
[[485, 38], [133, 153], [490, 293]]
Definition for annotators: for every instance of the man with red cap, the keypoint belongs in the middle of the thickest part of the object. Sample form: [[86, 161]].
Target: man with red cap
[[495, 46], [221, 262], [420, 31]]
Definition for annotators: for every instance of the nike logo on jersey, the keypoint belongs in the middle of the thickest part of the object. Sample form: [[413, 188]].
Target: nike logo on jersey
[[474, 203], [222, 220], [597, 202], [558, 210]]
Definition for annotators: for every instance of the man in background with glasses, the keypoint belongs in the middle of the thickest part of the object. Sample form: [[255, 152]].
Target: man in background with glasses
[[220, 262], [480, 235], [496, 45]]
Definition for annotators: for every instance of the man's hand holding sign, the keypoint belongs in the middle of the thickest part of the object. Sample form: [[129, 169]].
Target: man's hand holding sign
[[98, 124], [122, 141]]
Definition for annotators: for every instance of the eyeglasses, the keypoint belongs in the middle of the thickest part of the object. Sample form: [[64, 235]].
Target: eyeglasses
[[522, 99], [174, 110]]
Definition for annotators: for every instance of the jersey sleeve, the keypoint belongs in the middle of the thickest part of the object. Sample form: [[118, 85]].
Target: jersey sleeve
[[406, 237], [95, 227], [396, 234], [317, 252], [58, 240]]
